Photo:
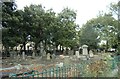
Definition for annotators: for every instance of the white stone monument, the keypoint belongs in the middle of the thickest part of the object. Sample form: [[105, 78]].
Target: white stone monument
[[48, 56], [77, 54], [23, 55], [91, 53], [85, 50]]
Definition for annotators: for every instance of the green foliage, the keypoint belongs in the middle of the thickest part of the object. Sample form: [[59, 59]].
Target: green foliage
[[40, 24], [89, 36], [67, 33], [104, 27], [9, 36]]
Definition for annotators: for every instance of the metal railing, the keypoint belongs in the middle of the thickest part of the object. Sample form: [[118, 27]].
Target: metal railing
[[74, 70]]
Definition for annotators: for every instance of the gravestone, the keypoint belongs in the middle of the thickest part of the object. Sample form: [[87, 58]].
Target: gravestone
[[91, 53], [44, 53], [18, 56], [48, 56], [23, 55], [77, 54], [33, 54], [85, 50], [53, 56]]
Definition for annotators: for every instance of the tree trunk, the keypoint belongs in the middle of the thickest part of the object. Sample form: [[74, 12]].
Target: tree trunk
[[45, 46], [35, 50], [24, 46], [106, 46], [60, 47]]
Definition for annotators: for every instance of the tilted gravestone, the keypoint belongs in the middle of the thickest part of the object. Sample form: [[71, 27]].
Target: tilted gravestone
[[53, 56]]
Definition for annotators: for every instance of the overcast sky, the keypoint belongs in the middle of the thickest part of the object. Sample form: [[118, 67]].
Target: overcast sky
[[86, 9]]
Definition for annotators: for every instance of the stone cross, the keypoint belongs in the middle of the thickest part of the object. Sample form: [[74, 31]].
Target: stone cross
[[85, 50], [48, 56]]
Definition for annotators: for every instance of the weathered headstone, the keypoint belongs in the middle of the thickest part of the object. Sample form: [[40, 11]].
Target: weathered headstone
[[91, 53], [85, 50], [48, 56], [23, 55], [18, 57], [77, 54], [53, 56], [33, 54]]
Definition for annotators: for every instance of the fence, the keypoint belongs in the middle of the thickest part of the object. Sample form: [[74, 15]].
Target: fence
[[74, 70]]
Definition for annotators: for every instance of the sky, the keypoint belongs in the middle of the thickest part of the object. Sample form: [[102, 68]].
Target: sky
[[86, 9]]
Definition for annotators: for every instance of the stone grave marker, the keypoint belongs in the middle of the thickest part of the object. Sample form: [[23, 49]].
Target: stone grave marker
[[23, 55], [53, 56], [85, 50], [48, 56], [91, 53], [44, 53], [33, 54], [77, 54], [18, 57]]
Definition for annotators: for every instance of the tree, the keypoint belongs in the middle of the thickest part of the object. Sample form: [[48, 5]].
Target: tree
[[9, 39], [105, 26], [34, 21], [89, 36], [115, 9], [66, 33]]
